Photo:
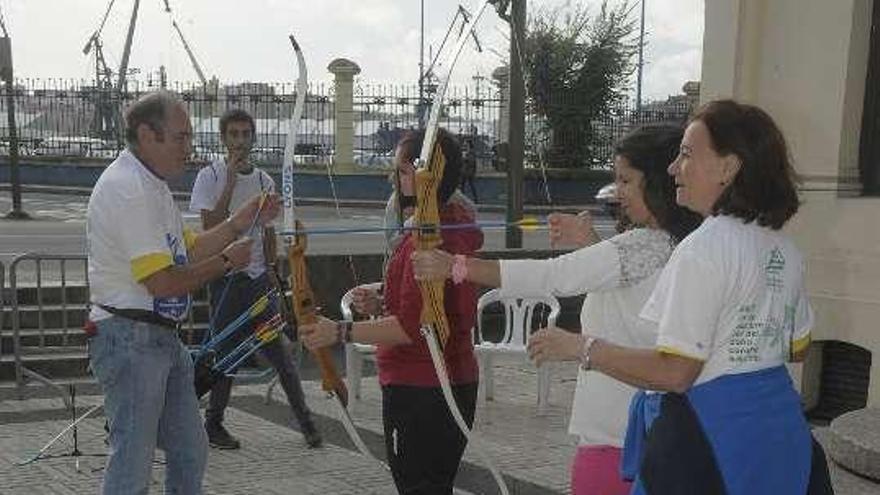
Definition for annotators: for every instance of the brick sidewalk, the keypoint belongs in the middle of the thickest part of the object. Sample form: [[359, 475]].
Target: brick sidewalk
[[532, 451]]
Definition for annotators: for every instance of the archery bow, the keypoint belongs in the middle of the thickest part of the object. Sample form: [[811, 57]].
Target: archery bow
[[301, 295], [429, 173]]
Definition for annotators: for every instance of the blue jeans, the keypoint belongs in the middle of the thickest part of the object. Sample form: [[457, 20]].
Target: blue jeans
[[149, 399]]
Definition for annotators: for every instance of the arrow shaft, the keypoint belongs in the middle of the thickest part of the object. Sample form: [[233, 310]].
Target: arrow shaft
[[461, 226]]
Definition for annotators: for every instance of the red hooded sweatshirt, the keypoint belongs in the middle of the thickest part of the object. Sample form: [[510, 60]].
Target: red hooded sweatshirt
[[410, 364]]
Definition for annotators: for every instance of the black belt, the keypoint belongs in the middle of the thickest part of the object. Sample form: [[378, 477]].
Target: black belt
[[143, 316]]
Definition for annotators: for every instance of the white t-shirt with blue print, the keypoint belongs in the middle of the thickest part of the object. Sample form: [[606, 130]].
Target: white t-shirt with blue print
[[133, 229]]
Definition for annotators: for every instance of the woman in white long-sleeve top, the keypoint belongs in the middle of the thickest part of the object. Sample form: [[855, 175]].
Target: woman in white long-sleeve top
[[618, 275], [731, 309]]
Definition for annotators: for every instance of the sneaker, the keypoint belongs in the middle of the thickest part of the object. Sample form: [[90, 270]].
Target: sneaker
[[313, 437], [219, 438]]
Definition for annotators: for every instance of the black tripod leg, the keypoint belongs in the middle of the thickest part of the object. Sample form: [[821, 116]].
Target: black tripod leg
[[76, 453]]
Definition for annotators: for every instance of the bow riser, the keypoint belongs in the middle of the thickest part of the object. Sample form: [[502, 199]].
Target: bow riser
[[428, 237], [303, 303]]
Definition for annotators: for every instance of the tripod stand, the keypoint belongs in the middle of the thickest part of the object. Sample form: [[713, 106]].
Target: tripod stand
[[75, 421]]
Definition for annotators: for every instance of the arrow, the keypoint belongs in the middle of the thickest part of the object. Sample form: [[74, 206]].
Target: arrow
[[527, 224]]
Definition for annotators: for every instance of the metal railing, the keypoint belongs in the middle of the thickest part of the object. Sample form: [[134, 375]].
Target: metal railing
[[64, 118], [23, 372], [2, 304], [43, 332]]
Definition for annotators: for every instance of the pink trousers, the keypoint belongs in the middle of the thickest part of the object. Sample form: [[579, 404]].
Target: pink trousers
[[596, 471]]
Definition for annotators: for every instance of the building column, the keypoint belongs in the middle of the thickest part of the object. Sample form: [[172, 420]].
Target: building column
[[732, 54], [344, 71]]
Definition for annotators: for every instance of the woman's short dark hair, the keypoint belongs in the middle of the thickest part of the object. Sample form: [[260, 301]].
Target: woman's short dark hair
[[650, 150], [411, 146], [236, 115], [152, 110], [764, 189]]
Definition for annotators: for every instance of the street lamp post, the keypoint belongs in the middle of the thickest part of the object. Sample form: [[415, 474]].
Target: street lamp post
[[6, 73], [420, 105], [641, 59], [516, 136]]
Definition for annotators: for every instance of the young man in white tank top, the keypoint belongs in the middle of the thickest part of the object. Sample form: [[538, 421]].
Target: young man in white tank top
[[218, 188]]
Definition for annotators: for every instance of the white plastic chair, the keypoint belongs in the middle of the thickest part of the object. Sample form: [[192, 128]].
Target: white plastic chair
[[518, 316], [355, 353]]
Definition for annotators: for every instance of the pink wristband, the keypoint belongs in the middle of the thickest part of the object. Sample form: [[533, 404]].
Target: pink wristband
[[459, 268]]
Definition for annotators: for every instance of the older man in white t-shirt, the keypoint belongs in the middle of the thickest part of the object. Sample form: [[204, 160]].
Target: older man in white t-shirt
[[142, 266], [220, 187]]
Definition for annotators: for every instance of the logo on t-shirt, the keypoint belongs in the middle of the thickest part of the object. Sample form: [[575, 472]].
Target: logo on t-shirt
[[174, 307], [773, 271]]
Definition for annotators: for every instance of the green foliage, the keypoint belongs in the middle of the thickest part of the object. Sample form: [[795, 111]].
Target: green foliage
[[577, 65]]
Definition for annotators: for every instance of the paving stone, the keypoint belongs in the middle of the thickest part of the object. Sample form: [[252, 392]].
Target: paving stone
[[532, 450]]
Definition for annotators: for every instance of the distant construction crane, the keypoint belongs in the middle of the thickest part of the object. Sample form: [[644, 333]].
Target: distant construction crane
[[426, 77], [189, 52], [108, 97], [105, 119], [192, 58]]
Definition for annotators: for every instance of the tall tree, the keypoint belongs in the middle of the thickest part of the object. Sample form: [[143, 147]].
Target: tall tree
[[578, 65]]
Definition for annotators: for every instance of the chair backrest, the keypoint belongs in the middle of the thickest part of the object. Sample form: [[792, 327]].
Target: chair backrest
[[345, 302], [518, 315]]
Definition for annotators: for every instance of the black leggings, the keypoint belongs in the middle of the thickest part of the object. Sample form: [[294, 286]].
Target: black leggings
[[423, 444]]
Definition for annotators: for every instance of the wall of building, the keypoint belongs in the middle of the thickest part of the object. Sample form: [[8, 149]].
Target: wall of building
[[805, 62]]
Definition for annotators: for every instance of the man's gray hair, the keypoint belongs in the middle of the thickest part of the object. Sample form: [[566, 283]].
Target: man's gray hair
[[153, 109]]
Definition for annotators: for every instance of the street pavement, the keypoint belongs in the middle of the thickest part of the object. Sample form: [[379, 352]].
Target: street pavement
[[58, 227]]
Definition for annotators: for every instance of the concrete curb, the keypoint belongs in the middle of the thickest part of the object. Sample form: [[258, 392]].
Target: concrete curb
[[350, 203]]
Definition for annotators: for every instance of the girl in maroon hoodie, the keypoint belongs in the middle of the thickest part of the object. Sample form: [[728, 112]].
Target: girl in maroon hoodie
[[423, 444]]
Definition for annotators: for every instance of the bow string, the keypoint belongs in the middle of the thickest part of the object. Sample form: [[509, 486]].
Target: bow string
[[430, 168], [302, 296]]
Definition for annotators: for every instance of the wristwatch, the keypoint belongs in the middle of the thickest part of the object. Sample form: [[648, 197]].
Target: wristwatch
[[343, 331], [227, 263]]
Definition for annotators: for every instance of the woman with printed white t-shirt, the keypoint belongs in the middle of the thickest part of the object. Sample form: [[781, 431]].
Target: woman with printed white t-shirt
[[731, 309], [617, 275]]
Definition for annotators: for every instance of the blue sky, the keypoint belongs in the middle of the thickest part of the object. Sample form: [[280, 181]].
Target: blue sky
[[246, 40]]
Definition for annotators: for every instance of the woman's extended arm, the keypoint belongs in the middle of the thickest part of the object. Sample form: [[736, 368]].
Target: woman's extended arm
[[437, 264], [326, 332], [643, 368]]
